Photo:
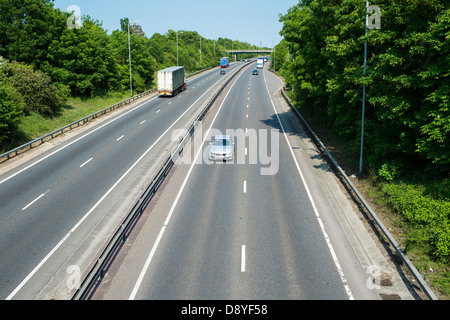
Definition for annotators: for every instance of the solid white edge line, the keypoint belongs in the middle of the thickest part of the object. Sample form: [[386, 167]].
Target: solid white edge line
[[147, 264], [31, 274], [327, 239], [174, 204]]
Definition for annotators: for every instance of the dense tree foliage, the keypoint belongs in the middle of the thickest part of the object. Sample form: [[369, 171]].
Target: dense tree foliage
[[82, 59], [49, 60], [10, 110], [407, 118], [27, 27], [407, 110]]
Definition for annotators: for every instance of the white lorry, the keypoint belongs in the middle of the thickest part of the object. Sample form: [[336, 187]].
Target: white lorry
[[171, 81], [260, 63]]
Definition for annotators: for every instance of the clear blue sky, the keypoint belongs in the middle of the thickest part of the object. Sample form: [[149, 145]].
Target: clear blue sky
[[252, 21]]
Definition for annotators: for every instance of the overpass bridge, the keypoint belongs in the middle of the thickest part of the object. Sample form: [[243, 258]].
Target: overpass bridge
[[249, 51]]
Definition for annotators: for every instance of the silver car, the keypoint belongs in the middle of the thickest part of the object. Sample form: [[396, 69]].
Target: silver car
[[221, 147]]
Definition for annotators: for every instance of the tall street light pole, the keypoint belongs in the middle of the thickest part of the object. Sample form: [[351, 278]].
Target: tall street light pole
[[129, 57], [364, 95], [177, 44], [375, 24]]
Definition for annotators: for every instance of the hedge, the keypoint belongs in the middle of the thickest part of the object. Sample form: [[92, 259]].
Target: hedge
[[424, 214]]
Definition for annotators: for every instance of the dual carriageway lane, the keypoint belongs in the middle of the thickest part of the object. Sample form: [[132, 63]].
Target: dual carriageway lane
[[63, 204], [243, 230], [234, 233], [251, 230]]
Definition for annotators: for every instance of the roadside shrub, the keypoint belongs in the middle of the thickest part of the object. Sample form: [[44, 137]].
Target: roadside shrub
[[441, 240], [422, 212], [10, 113], [390, 171], [38, 92]]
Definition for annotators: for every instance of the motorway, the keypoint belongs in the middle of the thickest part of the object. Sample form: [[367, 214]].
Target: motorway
[[271, 224], [58, 208]]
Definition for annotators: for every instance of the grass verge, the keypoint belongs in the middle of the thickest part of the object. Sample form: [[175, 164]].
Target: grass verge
[[36, 125]]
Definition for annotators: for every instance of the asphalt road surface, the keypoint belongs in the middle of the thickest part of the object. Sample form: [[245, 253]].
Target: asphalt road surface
[[271, 224], [64, 203]]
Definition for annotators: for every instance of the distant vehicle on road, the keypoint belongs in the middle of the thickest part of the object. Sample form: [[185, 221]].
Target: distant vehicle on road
[[224, 62], [222, 71], [255, 72], [260, 63], [171, 81], [221, 147]]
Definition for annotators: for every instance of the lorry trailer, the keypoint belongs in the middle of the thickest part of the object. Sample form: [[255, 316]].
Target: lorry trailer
[[224, 62], [171, 81]]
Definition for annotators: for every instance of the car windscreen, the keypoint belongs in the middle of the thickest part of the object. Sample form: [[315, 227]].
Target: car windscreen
[[221, 142]]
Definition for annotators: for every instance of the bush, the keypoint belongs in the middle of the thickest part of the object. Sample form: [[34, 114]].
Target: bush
[[389, 171], [10, 114], [38, 92], [428, 216]]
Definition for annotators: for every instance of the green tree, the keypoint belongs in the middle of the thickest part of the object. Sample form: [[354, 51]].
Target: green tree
[[143, 65], [124, 24], [82, 59], [280, 55], [304, 27], [407, 80], [27, 27], [156, 49], [410, 72], [11, 104]]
